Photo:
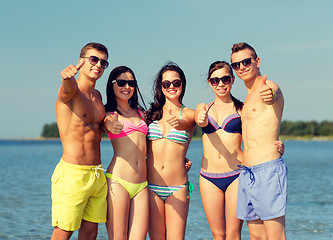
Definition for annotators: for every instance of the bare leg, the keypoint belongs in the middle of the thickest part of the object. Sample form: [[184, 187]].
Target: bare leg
[[88, 230], [176, 210], [275, 228], [213, 202], [59, 234], [233, 224], [118, 211], [257, 230], [156, 216], [139, 216]]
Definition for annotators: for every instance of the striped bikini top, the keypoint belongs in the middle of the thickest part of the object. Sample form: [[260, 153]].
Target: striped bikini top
[[177, 136]]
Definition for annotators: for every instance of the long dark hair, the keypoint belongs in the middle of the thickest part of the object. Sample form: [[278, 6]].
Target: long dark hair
[[155, 111], [223, 64], [111, 103]]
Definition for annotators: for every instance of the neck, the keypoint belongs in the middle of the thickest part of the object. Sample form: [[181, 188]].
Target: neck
[[123, 105], [253, 84], [86, 85], [172, 104], [223, 99]]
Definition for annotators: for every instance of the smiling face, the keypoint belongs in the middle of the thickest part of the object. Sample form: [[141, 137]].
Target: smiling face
[[93, 71], [246, 73], [222, 89], [172, 92], [125, 92]]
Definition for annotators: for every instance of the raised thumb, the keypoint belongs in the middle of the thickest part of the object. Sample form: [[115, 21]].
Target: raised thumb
[[264, 78], [115, 118], [80, 63]]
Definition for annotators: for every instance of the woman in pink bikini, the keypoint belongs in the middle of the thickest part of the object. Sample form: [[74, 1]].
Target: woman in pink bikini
[[128, 206]]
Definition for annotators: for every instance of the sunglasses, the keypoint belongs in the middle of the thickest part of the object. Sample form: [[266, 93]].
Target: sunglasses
[[176, 83], [225, 80], [122, 83], [246, 63], [94, 60]]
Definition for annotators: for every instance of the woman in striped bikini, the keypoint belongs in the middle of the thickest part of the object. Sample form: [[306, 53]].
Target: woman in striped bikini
[[221, 137], [170, 129]]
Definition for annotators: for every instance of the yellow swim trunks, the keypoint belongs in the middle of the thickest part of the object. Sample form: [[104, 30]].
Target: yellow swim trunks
[[78, 192]]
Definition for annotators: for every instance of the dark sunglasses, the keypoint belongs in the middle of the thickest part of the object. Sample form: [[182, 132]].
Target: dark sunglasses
[[94, 60], [176, 83], [225, 80], [246, 63], [122, 83]]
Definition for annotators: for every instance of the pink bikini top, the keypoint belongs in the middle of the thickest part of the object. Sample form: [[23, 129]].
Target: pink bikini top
[[129, 128]]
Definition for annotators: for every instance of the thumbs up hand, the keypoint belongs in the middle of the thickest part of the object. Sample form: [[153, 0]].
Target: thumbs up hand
[[70, 71], [202, 116], [112, 123], [267, 93], [172, 119]]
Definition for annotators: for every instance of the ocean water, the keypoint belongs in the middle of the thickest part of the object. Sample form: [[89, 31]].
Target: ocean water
[[25, 190]]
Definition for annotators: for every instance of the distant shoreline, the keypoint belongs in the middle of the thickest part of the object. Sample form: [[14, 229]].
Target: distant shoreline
[[283, 138]]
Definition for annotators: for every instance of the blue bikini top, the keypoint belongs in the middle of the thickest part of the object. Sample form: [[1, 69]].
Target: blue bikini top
[[177, 136], [231, 124]]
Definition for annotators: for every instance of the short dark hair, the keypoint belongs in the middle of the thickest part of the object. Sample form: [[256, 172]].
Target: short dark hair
[[98, 46], [242, 46]]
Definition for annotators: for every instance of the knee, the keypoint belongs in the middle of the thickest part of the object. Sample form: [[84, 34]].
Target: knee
[[87, 235], [219, 236], [118, 236], [233, 236], [258, 237]]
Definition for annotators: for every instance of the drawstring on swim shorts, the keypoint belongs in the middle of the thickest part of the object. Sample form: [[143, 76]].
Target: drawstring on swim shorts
[[99, 167], [248, 170]]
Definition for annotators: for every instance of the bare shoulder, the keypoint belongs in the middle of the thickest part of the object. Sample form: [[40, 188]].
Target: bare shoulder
[[189, 116], [188, 111], [97, 94], [272, 84], [143, 114]]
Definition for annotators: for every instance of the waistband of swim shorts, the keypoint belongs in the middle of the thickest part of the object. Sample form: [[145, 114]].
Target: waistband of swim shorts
[[267, 164], [82, 167]]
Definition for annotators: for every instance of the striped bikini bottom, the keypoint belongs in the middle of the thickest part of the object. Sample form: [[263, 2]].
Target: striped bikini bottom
[[165, 191]]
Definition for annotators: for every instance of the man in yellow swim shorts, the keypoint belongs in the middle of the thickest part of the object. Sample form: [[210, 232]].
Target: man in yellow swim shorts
[[79, 186]]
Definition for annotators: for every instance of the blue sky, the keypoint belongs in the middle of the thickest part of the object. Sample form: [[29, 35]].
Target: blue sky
[[294, 40]]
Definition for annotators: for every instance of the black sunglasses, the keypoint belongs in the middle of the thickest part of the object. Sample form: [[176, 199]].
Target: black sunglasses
[[246, 62], [176, 83], [122, 83], [215, 81], [94, 60]]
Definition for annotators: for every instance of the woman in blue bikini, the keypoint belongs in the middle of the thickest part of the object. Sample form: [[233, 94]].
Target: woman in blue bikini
[[222, 137], [170, 129], [128, 207]]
